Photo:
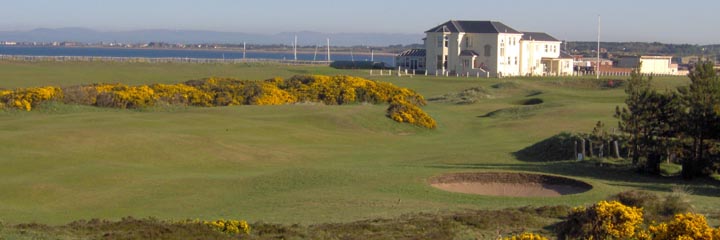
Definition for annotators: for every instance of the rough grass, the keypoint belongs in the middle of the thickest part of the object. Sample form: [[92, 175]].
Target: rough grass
[[467, 224], [304, 163]]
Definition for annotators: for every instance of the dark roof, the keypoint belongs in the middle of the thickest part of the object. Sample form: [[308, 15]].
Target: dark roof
[[413, 53], [564, 54], [473, 27], [468, 53], [539, 36]]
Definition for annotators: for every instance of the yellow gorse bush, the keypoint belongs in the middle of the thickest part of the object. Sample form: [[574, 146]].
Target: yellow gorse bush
[[27, 98], [526, 236], [336, 90], [684, 226], [613, 220], [229, 226], [617, 220]]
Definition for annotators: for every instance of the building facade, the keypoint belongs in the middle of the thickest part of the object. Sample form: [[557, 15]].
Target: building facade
[[491, 48], [650, 64]]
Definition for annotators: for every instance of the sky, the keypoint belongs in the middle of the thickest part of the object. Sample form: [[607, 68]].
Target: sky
[[689, 21]]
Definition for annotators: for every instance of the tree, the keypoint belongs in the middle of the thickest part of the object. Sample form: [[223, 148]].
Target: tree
[[651, 119], [701, 100], [630, 116]]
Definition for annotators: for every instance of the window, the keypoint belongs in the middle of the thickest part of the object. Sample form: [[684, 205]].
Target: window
[[466, 63], [439, 41], [509, 62], [446, 40], [439, 62], [502, 48], [516, 60], [407, 62], [468, 43], [547, 48], [488, 50]]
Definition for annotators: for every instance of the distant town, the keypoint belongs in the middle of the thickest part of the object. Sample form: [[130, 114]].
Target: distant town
[[681, 56]]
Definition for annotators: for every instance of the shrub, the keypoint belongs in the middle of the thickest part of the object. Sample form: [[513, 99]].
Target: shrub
[[127, 97], [404, 103], [526, 236], [182, 94], [402, 111], [656, 208], [272, 95], [229, 226], [683, 226], [27, 98], [604, 220]]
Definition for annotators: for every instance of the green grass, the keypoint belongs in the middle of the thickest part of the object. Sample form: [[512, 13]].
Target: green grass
[[304, 163]]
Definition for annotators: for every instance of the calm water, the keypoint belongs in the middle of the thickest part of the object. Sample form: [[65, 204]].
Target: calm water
[[170, 53]]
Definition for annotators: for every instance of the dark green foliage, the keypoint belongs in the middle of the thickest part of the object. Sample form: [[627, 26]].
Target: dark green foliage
[[556, 148], [651, 120], [701, 121]]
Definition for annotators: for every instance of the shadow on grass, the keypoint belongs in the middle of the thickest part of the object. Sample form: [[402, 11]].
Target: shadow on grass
[[613, 176]]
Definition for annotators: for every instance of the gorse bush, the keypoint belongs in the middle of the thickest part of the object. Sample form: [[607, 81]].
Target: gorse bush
[[526, 236], [614, 220], [229, 226], [604, 220], [684, 226], [27, 98], [338, 90]]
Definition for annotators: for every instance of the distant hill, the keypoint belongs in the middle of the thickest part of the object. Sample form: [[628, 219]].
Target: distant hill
[[655, 48], [193, 36]]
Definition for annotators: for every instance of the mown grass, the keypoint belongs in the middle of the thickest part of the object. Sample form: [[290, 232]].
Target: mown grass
[[303, 163]]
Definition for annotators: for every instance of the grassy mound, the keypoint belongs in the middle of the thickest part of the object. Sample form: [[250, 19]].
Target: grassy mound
[[467, 96], [556, 148]]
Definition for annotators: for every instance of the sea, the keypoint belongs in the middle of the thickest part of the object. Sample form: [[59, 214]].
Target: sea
[[179, 53]]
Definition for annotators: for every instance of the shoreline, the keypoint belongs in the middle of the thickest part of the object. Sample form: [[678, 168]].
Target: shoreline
[[234, 50]]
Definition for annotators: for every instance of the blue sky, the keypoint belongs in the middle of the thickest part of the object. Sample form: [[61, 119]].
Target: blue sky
[[627, 20]]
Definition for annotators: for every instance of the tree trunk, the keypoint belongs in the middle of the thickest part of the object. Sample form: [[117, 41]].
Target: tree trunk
[[590, 144], [575, 150], [617, 149], [582, 148]]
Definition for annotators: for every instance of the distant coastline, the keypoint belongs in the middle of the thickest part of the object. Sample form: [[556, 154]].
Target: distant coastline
[[321, 51]]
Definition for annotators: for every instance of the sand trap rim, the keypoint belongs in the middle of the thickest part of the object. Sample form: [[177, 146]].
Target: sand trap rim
[[517, 178]]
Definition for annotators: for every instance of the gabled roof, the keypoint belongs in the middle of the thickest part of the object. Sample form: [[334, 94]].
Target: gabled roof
[[539, 36], [413, 53], [454, 26]]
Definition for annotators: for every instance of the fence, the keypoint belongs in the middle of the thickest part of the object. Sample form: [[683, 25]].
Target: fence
[[155, 60]]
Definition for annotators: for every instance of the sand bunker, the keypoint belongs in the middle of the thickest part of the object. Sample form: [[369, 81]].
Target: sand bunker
[[509, 184]]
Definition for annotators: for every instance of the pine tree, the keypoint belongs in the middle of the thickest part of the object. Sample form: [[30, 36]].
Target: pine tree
[[631, 116], [701, 100]]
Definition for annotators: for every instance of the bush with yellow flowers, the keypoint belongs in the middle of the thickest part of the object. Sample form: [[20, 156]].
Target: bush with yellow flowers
[[526, 236], [123, 96], [229, 226], [604, 220], [27, 98], [182, 94], [684, 226], [337, 90]]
